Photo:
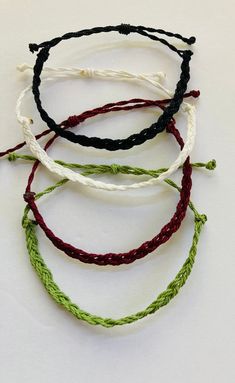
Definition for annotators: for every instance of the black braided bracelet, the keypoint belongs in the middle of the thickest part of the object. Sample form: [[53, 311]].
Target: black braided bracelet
[[134, 139]]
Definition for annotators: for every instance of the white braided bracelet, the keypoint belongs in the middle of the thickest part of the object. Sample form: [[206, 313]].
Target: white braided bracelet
[[54, 167]]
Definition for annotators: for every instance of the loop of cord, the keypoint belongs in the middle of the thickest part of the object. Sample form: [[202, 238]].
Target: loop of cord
[[63, 300], [48, 162], [147, 247], [108, 143]]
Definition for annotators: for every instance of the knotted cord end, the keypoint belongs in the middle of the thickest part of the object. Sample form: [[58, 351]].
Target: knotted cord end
[[195, 93], [211, 165], [22, 67], [191, 40], [33, 47]]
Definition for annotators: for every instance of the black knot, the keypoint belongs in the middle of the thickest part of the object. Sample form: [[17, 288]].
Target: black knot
[[188, 53], [33, 48], [124, 29], [191, 40], [29, 196], [44, 54]]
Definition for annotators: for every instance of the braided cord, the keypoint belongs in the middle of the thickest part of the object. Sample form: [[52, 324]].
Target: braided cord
[[61, 298]]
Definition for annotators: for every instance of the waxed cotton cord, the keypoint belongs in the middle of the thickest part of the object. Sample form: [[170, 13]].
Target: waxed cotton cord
[[62, 299], [108, 143]]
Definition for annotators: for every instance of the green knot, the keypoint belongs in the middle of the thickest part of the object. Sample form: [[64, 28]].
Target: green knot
[[114, 168], [201, 218], [12, 157], [26, 222], [211, 165]]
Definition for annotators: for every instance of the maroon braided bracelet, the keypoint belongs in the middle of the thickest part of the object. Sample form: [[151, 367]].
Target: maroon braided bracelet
[[147, 247], [75, 120]]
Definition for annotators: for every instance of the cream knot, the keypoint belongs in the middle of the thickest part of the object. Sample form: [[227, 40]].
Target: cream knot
[[158, 76], [87, 72], [25, 120], [22, 67]]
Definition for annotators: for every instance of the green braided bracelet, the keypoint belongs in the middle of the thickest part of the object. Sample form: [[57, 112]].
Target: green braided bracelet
[[47, 278]]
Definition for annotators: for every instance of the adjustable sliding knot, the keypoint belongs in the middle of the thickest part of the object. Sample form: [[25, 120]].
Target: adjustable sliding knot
[[29, 196], [87, 72], [71, 121], [115, 169], [124, 29]]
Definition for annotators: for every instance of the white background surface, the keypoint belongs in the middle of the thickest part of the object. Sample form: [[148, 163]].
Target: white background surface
[[191, 339]]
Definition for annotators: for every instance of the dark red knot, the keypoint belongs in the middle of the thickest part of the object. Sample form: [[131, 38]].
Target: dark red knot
[[29, 196]]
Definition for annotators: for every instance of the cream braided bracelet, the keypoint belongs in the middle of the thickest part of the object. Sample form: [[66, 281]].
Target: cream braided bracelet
[[56, 168]]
